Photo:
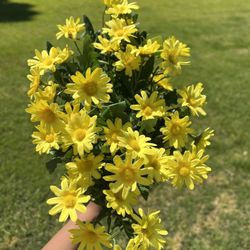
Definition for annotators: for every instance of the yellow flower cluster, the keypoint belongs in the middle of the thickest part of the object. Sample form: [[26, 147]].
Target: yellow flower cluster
[[111, 115]]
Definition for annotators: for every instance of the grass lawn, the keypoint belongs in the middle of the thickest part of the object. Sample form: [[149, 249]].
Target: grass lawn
[[214, 216]]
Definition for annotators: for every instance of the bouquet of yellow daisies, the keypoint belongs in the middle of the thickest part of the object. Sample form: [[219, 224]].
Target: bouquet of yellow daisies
[[105, 109]]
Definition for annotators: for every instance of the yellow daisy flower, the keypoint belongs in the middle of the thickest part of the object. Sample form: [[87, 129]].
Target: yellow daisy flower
[[68, 200], [118, 203], [93, 87], [191, 97], [149, 107], [105, 45], [176, 130], [85, 168], [118, 30], [44, 60], [188, 168], [64, 55], [113, 131], [45, 139], [135, 143], [48, 114], [75, 108], [121, 8], [47, 94], [204, 138], [163, 81], [127, 175], [175, 55], [128, 60], [90, 237], [149, 48], [70, 29], [35, 79], [112, 2], [149, 231], [157, 163], [80, 131]]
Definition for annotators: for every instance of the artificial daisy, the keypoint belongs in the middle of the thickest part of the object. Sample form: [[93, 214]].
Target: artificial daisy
[[127, 60], [135, 143], [175, 55], [148, 230], [163, 81], [48, 114], [68, 200], [192, 98], [127, 174], [105, 45], [187, 168], [113, 131], [93, 87], [70, 29], [90, 237], [119, 30], [35, 79], [158, 163], [122, 8], [85, 168], [80, 131], [176, 130], [149, 107], [149, 48], [45, 139], [120, 204]]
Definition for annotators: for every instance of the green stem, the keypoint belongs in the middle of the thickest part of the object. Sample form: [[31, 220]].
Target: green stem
[[78, 49]]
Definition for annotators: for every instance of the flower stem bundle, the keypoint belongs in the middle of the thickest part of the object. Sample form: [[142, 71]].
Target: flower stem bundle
[[106, 109]]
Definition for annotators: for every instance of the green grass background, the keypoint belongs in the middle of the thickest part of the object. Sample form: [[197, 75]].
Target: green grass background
[[214, 216]]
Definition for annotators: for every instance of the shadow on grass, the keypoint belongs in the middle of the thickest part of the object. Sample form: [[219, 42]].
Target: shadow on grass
[[15, 12]]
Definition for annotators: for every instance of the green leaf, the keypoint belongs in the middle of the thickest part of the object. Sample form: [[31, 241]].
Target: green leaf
[[148, 125], [52, 164], [48, 46], [146, 71], [89, 27], [171, 98], [144, 191], [89, 56]]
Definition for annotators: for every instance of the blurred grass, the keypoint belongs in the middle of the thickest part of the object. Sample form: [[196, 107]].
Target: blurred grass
[[215, 215]]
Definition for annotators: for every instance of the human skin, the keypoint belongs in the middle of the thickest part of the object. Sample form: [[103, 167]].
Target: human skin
[[61, 240]]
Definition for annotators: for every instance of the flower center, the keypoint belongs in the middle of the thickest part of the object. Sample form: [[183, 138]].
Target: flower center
[[118, 197], [114, 136], [176, 129], [172, 58], [119, 32], [48, 115], [85, 166], [155, 163], [69, 200], [128, 175], [90, 236], [135, 145], [148, 110], [191, 101], [90, 88], [80, 134], [50, 138], [184, 171], [47, 61]]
